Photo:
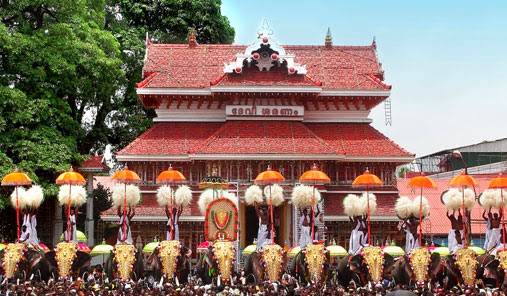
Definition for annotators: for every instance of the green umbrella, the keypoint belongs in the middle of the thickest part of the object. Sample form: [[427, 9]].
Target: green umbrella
[[394, 251], [102, 249], [477, 250], [443, 251], [81, 237], [336, 251], [150, 247], [249, 249]]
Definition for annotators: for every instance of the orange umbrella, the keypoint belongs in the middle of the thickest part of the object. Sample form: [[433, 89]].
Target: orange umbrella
[[367, 180], [421, 181], [500, 182], [71, 178], [463, 180], [16, 178], [269, 177], [126, 176], [314, 176], [169, 177]]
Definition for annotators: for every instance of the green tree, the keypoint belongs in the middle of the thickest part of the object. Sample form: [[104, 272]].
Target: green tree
[[59, 69], [166, 21]]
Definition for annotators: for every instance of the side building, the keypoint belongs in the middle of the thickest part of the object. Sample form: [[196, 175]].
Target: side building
[[241, 108]]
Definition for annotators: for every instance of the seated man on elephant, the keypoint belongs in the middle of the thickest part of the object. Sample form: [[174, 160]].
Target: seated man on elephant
[[263, 232]]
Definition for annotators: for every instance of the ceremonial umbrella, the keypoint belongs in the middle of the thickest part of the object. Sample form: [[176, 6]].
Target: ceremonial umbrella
[[443, 251], [463, 180], [71, 178], [269, 177], [202, 247], [2, 246], [171, 176], [294, 250], [126, 176], [83, 248], [102, 249], [367, 180], [150, 247], [314, 177], [336, 251], [500, 182], [393, 250], [16, 179], [249, 249], [421, 181], [81, 236], [44, 248]]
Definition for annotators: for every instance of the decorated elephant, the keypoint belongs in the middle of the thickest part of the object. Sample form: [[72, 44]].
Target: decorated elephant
[[22, 262], [125, 262], [361, 269], [65, 261], [489, 271], [266, 265], [171, 259], [418, 269], [216, 263], [460, 268], [311, 264]]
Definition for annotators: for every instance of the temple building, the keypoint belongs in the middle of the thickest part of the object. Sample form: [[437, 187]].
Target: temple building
[[242, 108]]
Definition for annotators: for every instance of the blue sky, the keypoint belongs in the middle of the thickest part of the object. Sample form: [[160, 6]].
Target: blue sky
[[446, 60]]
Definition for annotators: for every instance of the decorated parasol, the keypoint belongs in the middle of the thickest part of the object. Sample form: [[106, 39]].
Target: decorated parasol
[[170, 177], [314, 177], [421, 182], [368, 180], [83, 247], [102, 249], [16, 179], [126, 177], [294, 250], [336, 251], [44, 248], [393, 250], [463, 181], [204, 246], [249, 249], [70, 178], [81, 236], [269, 177], [443, 251], [2, 246], [150, 247], [500, 182], [214, 181]]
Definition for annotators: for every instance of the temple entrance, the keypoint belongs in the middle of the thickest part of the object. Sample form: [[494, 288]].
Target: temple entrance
[[250, 225]]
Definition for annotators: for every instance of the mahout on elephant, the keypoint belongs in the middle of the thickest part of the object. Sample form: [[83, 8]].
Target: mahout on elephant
[[411, 275]]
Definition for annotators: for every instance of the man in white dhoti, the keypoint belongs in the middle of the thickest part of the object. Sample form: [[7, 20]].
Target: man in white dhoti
[[356, 236], [304, 224], [493, 230], [124, 233], [411, 239], [172, 222], [456, 227], [263, 232], [33, 223], [70, 232]]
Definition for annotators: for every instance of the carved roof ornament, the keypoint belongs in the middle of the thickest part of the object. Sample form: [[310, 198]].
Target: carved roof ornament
[[192, 41], [265, 53], [329, 38]]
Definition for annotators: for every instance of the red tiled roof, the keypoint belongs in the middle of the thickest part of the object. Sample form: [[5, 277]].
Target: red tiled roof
[[356, 139], [263, 137], [94, 163], [337, 67], [438, 221]]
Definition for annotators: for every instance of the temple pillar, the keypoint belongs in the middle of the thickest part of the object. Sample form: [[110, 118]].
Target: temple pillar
[[58, 225], [89, 222]]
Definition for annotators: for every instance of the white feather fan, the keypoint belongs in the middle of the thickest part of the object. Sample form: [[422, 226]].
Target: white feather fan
[[490, 198], [503, 194], [302, 196], [275, 192], [164, 195], [34, 196], [253, 194], [363, 205], [20, 196], [204, 199], [403, 207], [132, 194], [183, 196], [232, 197], [416, 206], [452, 199], [350, 205], [469, 199], [77, 195]]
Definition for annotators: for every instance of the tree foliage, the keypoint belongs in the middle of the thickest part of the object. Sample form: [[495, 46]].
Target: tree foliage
[[68, 70]]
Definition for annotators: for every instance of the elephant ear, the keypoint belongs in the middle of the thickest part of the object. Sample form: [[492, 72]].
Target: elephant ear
[[51, 258]]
